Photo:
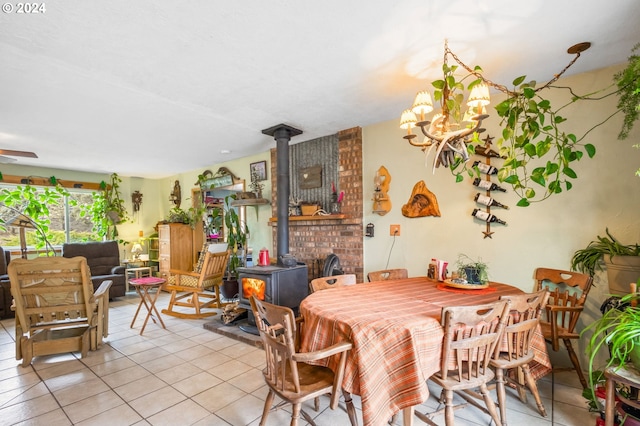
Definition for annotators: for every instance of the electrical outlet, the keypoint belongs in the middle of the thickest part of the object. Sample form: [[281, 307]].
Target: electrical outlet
[[394, 230]]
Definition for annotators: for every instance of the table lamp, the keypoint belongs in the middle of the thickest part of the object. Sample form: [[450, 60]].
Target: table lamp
[[136, 249]]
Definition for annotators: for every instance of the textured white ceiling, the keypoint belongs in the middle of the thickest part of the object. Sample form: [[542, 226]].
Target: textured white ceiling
[[154, 88]]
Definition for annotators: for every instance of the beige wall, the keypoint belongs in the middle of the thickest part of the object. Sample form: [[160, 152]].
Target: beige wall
[[606, 194]]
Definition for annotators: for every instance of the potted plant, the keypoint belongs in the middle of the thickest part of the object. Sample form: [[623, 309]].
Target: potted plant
[[107, 209], [237, 234], [622, 261], [618, 331], [474, 271]]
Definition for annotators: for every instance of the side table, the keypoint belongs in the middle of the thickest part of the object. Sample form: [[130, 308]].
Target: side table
[[148, 299], [135, 273], [626, 375]]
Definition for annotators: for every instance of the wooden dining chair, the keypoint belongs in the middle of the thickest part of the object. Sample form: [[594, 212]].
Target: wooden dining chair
[[516, 350], [387, 274], [195, 285], [57, 310], [334, 281], [568, 292], [287, 373], [471, 334]]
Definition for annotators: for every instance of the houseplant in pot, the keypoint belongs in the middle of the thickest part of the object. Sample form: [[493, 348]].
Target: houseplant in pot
[[237, 234], [622, 261], [618, 332], [474, 271]]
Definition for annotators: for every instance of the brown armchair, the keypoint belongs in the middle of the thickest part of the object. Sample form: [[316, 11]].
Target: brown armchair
[[103, 259]]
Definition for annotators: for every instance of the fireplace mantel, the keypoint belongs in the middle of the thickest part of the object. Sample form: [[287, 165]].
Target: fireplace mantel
[[312, 218]]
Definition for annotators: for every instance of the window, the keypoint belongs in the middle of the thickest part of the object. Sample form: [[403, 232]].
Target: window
[[66, 223]]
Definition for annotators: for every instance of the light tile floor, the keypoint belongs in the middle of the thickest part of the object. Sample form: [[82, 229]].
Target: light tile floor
[[186, 375]]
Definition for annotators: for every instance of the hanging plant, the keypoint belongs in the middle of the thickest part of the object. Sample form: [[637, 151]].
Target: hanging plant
[[107, 209], [628, 82]]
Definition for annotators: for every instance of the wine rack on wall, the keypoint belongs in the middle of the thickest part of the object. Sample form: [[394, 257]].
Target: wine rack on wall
[[487, 201]]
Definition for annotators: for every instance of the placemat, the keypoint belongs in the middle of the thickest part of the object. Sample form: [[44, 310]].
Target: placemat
[[444, 287]]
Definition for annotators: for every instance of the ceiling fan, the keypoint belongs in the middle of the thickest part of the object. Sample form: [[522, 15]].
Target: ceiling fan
[[12, 153]]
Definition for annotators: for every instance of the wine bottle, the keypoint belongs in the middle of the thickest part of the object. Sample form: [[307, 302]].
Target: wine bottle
[[487, 186], [485, 168], [487, 217], [488, 201]]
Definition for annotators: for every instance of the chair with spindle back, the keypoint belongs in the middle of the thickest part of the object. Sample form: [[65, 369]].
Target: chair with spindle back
[[334, 281], [471, 334], [388, 274], [516, 350], [568, 292], [288, 373]]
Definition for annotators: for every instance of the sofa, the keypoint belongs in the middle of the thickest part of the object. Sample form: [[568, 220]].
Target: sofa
[[103, 259], [5, 286]]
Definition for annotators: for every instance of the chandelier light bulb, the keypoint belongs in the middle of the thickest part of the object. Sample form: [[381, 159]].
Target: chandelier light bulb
[[422, 104]]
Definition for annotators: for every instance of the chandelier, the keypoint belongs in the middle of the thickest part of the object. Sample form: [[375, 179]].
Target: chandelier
[[448, 131]]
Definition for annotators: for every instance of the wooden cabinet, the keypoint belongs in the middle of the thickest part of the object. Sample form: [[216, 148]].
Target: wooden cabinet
[[175, 248]]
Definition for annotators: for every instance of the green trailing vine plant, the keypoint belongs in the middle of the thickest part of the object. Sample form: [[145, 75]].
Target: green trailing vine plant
[[107, 209], [538, 152], [628, 82]]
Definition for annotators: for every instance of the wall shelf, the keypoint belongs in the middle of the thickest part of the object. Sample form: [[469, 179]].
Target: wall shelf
[[250, 202], [316, 217]]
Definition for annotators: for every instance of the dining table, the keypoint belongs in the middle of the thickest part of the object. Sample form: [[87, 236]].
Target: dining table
[[395, 329]]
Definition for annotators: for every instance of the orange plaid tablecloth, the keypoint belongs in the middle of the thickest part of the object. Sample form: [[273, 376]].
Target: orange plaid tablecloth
[[397, 338]]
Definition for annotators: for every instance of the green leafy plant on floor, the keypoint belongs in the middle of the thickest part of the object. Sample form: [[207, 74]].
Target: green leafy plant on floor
[[237, 233]]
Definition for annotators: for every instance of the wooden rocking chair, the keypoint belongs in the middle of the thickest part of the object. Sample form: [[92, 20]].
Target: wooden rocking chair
[[192, 285]]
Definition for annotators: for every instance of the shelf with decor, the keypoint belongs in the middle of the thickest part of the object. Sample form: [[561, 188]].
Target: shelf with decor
[[313, 218], [154, 252]]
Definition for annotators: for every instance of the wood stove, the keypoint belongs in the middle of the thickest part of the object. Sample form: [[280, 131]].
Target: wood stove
[[274, 284]]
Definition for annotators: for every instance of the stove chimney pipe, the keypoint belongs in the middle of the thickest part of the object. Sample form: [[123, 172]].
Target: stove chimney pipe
[[282, 134]]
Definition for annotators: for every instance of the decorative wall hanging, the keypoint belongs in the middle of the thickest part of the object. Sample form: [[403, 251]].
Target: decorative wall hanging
[[421, 203], [310, 177], [487, 200], [259, 170], [381, 200], [176, 195], [136, 199]]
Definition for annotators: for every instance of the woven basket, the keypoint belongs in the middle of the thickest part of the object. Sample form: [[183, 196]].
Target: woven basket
[[309, 209]]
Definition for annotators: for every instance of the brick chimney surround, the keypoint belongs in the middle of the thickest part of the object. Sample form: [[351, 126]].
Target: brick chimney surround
[[313, 240]]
